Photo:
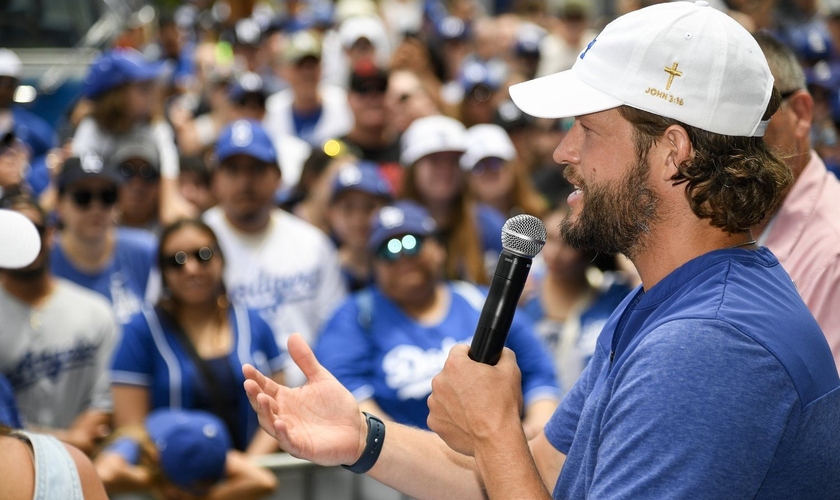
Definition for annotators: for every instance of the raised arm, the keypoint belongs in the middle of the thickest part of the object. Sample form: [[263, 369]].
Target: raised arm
[[322, 422]]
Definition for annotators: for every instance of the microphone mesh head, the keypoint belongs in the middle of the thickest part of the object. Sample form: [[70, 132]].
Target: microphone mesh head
[[523, 235]]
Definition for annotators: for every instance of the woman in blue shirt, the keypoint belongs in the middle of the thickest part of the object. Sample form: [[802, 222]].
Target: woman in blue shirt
[[387, 342], [188, 351]]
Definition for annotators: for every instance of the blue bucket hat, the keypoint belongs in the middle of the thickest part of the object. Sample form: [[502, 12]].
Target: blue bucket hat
[[192, 445], [118, 67], [246, 137], [363, 176], [402, 217]]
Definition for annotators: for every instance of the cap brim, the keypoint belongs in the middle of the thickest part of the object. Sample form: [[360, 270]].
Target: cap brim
[[19, 240], [560, 95]]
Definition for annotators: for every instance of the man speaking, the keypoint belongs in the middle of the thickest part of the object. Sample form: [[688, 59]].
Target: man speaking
[[711, 380]]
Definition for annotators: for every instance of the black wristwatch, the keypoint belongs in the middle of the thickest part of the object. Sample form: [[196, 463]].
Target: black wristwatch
[[375, 438]]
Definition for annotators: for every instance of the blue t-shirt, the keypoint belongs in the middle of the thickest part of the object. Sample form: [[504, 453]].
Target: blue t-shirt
[[721, 386], [124, 280], [305, 124], [378, 352], [151, 356]]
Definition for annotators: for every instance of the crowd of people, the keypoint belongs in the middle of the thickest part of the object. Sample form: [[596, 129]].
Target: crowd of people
[[234, 175]]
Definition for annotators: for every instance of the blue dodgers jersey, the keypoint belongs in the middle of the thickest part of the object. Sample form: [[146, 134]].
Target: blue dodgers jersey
[[124, 280], [150, 355], [387, 356], [716, 383]]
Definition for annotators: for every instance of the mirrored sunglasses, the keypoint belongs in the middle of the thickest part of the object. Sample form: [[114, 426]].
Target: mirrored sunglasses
[[404, 246], [179, 259], [488, 165]]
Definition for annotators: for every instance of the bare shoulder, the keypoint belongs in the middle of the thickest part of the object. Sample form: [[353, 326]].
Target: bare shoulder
[[16, 461], [91, 485]]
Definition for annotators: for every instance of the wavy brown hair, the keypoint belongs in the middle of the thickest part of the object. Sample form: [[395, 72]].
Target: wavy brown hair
[[464, 256], [735, 182]]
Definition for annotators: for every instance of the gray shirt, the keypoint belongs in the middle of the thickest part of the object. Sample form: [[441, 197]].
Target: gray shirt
[[56, 355]]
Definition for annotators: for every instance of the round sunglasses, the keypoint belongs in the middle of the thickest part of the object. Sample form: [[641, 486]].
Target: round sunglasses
[[179, 259], [405, 246]]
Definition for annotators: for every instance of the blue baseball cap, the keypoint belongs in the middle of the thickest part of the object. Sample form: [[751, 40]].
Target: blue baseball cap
[[86, 166], [118, 67], [192, 446], [363, 176], [248, 83], [402, 217], [246, 137]]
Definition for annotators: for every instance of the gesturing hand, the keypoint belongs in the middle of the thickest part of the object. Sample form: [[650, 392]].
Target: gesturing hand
[[319, 421]]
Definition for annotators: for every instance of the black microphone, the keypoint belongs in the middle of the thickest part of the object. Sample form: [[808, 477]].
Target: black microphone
[[523, 237]]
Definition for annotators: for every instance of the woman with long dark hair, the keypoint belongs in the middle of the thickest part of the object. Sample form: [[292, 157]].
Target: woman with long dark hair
[[187, 351]]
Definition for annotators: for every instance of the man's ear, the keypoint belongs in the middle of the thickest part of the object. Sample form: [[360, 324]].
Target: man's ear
[[673, 149], [802, 105]]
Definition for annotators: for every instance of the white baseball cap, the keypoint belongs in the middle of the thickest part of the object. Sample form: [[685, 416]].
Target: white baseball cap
[[681, 60], [432, 134], [10, 64], [19, 240], [357, 27], [487, 141]]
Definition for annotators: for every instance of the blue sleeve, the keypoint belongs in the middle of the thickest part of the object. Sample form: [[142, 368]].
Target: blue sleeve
[[539, 379], [9, 415], [133, 359], [38, 176], [682, 419], [345, 348], [127, 448], [263, 338]]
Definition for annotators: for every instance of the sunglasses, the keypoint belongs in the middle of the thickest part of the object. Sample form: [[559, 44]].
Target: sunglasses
[[405, 246], [83, 198], [179, 259], [488, 165], [144, 170]]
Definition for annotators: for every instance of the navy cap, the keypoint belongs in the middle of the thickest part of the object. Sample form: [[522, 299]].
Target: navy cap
[[363, 176], [248, 83], [403, 217], [118, 67], [192, 445], [245, 137], [86, 166], [474, 73]]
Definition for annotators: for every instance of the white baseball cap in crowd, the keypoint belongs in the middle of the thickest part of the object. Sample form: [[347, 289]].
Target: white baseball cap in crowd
[[432, 134], [487, 141], [357, 27], [681, 60], [10, 64], [19, 240]]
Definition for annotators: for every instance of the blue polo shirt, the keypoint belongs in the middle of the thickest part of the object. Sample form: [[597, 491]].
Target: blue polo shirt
[[715, 383]]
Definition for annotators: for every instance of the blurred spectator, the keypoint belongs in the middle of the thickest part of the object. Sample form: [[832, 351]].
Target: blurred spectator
[[804, 233], [309, 109], [371, 137], [363, 40], [194, 182], [527, 53], [197, 124], [496, 177], [570, 301], [89, 249], [387, 342], [55, 342], [138, 162], [14, 163], [470, 231], [567, 39], [188, 351], [38, 136], [407, 99], [181, 454], [121, 86], [248, 96], [358, 191], [44, 468], [175, 48], [477, 95], [277, 263], [310, 197]]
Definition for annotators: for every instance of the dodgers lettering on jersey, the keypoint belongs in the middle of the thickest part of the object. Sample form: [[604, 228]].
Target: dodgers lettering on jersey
[[269, 291], [409, 369], [36, 365]]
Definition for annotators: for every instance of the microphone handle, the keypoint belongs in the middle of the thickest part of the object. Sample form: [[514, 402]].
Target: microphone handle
[[499, 308]]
